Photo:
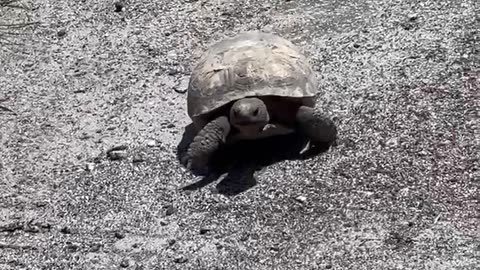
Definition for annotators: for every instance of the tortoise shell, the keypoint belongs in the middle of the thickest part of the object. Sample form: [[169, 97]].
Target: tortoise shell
[[249, 64]]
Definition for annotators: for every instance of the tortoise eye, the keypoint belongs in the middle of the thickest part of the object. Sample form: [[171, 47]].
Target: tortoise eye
[[255, 113]]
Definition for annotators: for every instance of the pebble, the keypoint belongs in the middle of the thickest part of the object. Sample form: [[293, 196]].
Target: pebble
[[170, 210], [28, 64], [179, 89], [172, 71], [163, 222], [72, 247], [61, 33], [119, 5], [41, 204], [392, 142], [95, 247], [180, 259], [138, 158], [117, 155], [124, 263], [151, 143], [65, 230], [205, 230], [119, 235], [89, 167], [412, 17], [182, 86], [423, 153], [301, 199], [120, 147], [31, 228]]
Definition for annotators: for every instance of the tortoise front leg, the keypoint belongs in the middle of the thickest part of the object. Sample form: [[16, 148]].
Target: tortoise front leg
[[205, 143], [316, 126]]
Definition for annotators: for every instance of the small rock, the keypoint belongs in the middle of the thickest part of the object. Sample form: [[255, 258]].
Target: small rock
[[172, 242], [119, 235], [179, 89], [347, 142], [89, 167], [182, 85], [205, 230], [356, 45], [117, 155], [393, 142], [172, 71], [85, 136], [328, 266], [151, 143], [412, 17], [72, 247], [138, 158], [408, 26], [95, 247], [435, 221], [244, 237], [119, 5], [61, 33], [97, 159], [124, 263], [44, 225], [120, 147], [275, 248], [423, 153], [301, 199], [170, 210], [171, 125], [180, 259], [41, 204], [31, 228], [65, 230], [163, 222]]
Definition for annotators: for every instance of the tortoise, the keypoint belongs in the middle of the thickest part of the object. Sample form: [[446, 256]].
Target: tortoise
[[250, 86]]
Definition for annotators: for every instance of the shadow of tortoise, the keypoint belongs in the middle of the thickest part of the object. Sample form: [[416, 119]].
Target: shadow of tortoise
[[241, 160]]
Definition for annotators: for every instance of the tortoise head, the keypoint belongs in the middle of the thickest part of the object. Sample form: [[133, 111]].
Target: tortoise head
[[249, 116]]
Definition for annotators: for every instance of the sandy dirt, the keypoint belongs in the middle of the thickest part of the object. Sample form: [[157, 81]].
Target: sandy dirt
[[399, 191]]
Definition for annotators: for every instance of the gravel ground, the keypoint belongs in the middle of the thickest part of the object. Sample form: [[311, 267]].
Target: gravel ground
[[399, 191]]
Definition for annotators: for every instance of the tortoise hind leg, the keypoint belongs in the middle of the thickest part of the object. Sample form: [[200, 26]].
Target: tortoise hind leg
[[205, 143], [317, 127]]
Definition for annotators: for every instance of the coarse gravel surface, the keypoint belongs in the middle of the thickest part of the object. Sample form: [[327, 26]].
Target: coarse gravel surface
[[400, 190]]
